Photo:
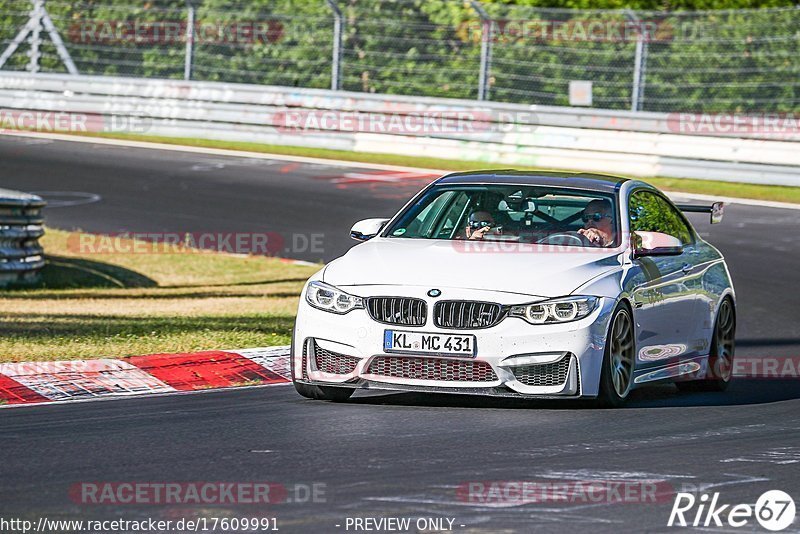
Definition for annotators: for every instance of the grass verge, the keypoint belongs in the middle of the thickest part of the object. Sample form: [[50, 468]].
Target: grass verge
[[707, 187], [119, 304]]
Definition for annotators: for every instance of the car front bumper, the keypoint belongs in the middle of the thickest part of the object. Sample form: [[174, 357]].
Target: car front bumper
[[514, 358]]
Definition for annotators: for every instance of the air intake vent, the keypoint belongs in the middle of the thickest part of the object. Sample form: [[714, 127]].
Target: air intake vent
[[442, 369], [466, 314], [402, 311], [334, 363], [544, 374]]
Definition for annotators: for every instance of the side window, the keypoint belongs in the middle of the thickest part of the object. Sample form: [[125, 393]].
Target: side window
[[651, 213]]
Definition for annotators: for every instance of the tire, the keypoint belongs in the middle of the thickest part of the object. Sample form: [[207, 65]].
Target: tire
[[720, 357], [329, 393], [616, 376]]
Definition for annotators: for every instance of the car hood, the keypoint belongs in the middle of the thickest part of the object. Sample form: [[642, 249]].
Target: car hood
[[525, 269]]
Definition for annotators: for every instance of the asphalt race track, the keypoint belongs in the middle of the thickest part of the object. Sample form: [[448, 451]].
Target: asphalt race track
[[379, 455]]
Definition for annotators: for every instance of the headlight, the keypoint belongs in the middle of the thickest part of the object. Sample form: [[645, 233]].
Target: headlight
[[556, 311], [328, 298]]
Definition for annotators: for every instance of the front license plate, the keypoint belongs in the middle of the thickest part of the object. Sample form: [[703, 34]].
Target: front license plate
[[427, 343]]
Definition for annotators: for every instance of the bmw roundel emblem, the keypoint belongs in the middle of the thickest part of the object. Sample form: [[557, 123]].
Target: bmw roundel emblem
[[434, 293]]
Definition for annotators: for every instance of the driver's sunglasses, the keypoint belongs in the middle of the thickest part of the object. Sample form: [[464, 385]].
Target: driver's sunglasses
[[596, 217], [475, 225]]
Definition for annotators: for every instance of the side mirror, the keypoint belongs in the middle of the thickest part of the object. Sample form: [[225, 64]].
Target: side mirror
[[655, 244], [717, 212], [367, 229]]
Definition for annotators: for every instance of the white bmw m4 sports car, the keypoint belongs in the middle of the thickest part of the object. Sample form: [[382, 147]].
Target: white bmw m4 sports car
[[521, 284]]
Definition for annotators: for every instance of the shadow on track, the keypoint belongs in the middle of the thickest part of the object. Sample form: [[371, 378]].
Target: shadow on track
[[741, 392], [775, 342]]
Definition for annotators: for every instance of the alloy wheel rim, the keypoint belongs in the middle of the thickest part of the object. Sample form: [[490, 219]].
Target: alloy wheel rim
[[724, 342], [622, 349]]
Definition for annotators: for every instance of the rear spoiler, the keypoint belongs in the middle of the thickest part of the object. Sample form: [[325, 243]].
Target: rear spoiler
[[717, 210]]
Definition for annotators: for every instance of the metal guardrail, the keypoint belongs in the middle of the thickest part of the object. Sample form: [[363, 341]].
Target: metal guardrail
[[620, 142], [21, 255], [215, 95]]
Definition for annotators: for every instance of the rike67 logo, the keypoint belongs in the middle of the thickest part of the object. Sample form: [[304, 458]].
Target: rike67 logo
[[774, 510]]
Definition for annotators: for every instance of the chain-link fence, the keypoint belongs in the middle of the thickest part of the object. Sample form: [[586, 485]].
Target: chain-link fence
[[720, 61]]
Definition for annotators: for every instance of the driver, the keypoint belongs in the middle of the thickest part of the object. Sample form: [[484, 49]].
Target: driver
[[598, 223], [480, 222]]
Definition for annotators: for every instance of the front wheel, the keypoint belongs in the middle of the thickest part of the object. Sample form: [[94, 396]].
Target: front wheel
[[616, 376], [720, 359], [330, 393]]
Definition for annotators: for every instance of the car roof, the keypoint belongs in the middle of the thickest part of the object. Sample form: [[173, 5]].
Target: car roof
[[573, 180]]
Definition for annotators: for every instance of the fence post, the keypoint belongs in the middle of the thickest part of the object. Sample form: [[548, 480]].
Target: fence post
[[187, 63], [36, 36], [338, 33], [639, 62], [52, 31], [487, 27], [38, 20]]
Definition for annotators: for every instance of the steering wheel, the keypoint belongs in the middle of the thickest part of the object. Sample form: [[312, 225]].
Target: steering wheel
[[567, 239]]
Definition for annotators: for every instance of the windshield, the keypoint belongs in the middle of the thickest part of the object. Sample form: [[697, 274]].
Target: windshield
[[526, 214]]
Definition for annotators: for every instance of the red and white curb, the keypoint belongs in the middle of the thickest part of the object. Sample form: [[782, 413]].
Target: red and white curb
[[38, 382]]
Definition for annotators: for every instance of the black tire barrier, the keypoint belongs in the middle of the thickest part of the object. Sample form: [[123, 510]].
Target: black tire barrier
[[21, 226]]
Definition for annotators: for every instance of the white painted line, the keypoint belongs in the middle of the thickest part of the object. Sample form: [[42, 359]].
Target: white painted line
[[64, 199], [340, 163], [219, 152], [733, 200], [389, 178]]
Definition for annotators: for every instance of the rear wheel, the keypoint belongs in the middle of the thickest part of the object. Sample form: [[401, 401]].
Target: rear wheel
[[616, 377], [720, 358]]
